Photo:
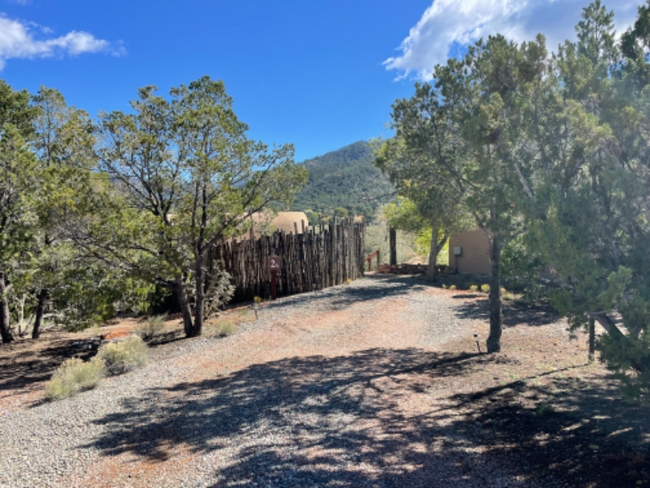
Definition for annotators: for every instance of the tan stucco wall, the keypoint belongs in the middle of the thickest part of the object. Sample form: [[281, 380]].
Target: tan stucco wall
[[475, 258], [285, 220], [282, 221]]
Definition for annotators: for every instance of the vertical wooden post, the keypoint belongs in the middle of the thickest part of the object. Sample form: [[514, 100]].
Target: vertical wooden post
[[274, 292], [592, 339], [333, 252], [393, 246]]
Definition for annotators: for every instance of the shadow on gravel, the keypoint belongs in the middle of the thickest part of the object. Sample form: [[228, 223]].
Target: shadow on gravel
[[513, 314], [340, 297], [30, 363], [570, 433], [341, 421]]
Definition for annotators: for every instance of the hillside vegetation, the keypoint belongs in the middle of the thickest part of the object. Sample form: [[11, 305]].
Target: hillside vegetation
[[345, 179]]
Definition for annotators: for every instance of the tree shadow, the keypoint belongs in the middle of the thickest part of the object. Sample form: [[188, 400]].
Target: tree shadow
[[340, 297], [319, 421], [339, 421], [576, 432], [514, 314], [26, 362], [467, 296]]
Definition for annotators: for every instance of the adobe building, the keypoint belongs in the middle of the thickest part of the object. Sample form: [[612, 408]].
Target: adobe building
[[285, 221], [468, 252]]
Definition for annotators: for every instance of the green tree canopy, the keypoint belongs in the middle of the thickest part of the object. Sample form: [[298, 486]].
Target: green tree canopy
[[186, 177]]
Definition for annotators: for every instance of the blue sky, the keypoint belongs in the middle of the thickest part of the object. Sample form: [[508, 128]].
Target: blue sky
[[318, 74]]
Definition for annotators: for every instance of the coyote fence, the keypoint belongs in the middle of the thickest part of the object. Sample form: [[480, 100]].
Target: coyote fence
[[318, 258]]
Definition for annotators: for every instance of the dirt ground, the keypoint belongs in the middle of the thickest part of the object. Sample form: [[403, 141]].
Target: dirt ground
[[537, 414]]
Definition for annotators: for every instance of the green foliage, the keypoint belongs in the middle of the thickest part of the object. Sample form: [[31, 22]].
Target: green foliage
[[185, 177], [340, 212], [152, 327], [404, 215], [583, 198], [452, 287], [473, 287], [485, 288], [122, 357], [74, 376], [343, 178], [20, 178], [377, 238]]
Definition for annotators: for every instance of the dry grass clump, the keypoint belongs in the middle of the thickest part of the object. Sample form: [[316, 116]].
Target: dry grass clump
[[124, 356], [152, 327], [74, 376], [473, 288], [485, 288], [224, 329]]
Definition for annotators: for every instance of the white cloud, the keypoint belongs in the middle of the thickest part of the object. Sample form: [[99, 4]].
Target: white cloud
[[449, 23], [17, 40]]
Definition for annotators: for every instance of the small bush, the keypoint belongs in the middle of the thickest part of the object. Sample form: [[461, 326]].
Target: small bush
[[257, 300], [73, 376], [152, 327], [452, 287], [225, 329], [444, 286], [121, 357], [473, 288], [485, 288]]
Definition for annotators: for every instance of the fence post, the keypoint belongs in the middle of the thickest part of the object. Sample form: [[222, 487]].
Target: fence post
[[309, 261]]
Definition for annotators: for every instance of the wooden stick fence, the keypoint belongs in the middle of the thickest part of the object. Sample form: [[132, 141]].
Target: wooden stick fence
[[316, 259]]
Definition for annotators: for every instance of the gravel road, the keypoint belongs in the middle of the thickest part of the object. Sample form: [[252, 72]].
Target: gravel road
[[331, 389]]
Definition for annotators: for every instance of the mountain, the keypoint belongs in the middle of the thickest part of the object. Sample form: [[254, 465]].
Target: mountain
[[344, 178]]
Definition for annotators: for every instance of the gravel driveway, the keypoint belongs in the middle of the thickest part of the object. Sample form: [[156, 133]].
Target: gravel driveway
[[331, 388]]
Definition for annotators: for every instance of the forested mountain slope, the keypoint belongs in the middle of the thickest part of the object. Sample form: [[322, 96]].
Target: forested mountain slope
[[344, 178]]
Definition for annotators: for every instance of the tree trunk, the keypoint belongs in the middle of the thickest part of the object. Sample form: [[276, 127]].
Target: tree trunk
[[200, 299], [393, 246], [432, 270], [40, 311], [494, 340], [185, 306], [5, 317], [592, 339]]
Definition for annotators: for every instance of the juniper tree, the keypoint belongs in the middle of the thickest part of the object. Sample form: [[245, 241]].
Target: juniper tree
[[63, 143], [186, 176], [589, 206], [465, 138], [18, 174]]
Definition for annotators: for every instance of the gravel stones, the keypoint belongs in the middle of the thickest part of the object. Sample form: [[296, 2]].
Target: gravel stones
[[325, 389]]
